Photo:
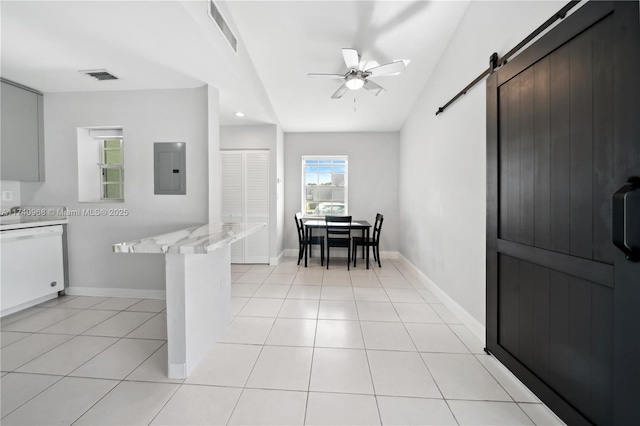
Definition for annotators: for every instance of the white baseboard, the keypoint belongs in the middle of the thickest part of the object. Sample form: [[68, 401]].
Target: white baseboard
[[467, 319], [115, 292], [275, 261]]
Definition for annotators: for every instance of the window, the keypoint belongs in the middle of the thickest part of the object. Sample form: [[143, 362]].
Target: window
[[111, 168], [324, 186], [100, 164]]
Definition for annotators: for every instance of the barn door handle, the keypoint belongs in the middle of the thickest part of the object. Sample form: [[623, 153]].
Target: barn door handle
[[626, 219]]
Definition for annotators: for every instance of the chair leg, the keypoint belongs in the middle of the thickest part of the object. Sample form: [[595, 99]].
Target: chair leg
[[377, 250], [300, 253], [348, 256], [321, 253], [355, 254], [328, 255]]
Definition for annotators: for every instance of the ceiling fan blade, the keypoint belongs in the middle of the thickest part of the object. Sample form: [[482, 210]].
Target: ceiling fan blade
[[341, 91], [386, 69], [351, 58], [374, 88], [325, 75]]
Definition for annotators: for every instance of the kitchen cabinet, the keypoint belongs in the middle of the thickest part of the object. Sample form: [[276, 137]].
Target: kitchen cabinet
[[22, 134]]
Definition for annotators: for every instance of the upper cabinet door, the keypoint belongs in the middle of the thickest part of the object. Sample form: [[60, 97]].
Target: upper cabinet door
[[21, 139]]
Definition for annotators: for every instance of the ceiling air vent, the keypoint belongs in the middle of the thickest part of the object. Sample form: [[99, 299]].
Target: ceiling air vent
[[100, 74], [216, 17]]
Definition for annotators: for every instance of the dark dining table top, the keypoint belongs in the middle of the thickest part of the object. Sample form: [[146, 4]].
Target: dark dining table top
[[321, 223]]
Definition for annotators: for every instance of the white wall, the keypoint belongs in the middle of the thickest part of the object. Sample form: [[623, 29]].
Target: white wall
[[443, 159], [146, 117], [259, 137], [372, 180]]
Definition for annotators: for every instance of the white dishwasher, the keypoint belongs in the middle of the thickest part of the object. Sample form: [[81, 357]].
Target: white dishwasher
[[31, 266]]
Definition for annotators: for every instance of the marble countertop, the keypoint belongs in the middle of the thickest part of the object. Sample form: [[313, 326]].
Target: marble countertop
[[30, 217], [195, 240]]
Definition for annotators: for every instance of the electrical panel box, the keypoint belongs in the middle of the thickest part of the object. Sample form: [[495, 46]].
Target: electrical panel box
[[170, 168]]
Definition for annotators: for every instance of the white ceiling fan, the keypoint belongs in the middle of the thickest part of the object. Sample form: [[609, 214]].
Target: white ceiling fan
[[355, 77]]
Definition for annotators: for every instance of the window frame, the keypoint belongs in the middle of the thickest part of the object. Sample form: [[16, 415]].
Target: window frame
[[320, 158]]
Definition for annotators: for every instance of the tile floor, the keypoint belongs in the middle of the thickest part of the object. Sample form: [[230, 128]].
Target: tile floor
[[305, 346]]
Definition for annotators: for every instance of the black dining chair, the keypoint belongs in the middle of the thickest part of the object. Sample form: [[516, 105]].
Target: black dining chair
[[373, 241], [338, 235], [306, 243]]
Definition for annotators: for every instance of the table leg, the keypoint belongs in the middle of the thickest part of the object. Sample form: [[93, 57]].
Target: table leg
[[367, 245], [307, 231]]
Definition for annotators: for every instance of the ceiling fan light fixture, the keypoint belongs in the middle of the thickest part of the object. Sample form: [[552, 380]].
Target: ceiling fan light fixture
[[354, 83]]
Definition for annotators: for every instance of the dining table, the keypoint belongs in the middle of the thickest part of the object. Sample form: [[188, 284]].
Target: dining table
[[314, 223]]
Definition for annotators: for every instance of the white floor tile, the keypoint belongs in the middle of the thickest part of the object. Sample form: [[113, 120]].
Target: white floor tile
[[335, 277], [261, 308], [404, 295], [308, 280], [304, 292], [154, 368], [386, 335], [469, 339], [247, 330], [80, 322], [283, 368], [241, 268], [244, 290], [435, 338], [116, 304], [269, 407], [148, 305], [199, 405], [446, 315], [261, 269], [292, 332], [364, 294], [68, 356], [488, 413], [225, 365], [19, 388], [518, 391], [272, 291], [82, 302], [393, 282], [541, 414], [428, 296], [417, 312], [237, 303], [118, 360], [401, 374], [252, 278], [10, 319], [463, 377], [9, 337], [332, 309], [280, 279], [120, 324], [414, 411], [23, 351], [294, 308], [340, 370], [377, 311], [40, 320], [62, 403], [129, 403], [336, 293], [57, 301], [339, 334], [155, 328], [341, 409]]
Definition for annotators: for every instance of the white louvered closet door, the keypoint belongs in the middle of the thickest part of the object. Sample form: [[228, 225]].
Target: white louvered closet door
[[245, 199]]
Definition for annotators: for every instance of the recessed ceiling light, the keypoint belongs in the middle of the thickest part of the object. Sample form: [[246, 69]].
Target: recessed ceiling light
[[239, 114]]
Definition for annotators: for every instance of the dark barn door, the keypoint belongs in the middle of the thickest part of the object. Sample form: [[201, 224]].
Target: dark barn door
[[563, 135]]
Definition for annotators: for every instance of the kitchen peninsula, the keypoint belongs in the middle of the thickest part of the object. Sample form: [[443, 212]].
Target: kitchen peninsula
[[198, 292]]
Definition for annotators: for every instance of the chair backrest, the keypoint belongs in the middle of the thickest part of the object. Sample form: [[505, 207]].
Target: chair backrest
[[336, 227], [298, 218], [377, 227]]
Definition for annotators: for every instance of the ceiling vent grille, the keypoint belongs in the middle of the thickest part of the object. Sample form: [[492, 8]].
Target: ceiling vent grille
[[100, 75], [216, 17]]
